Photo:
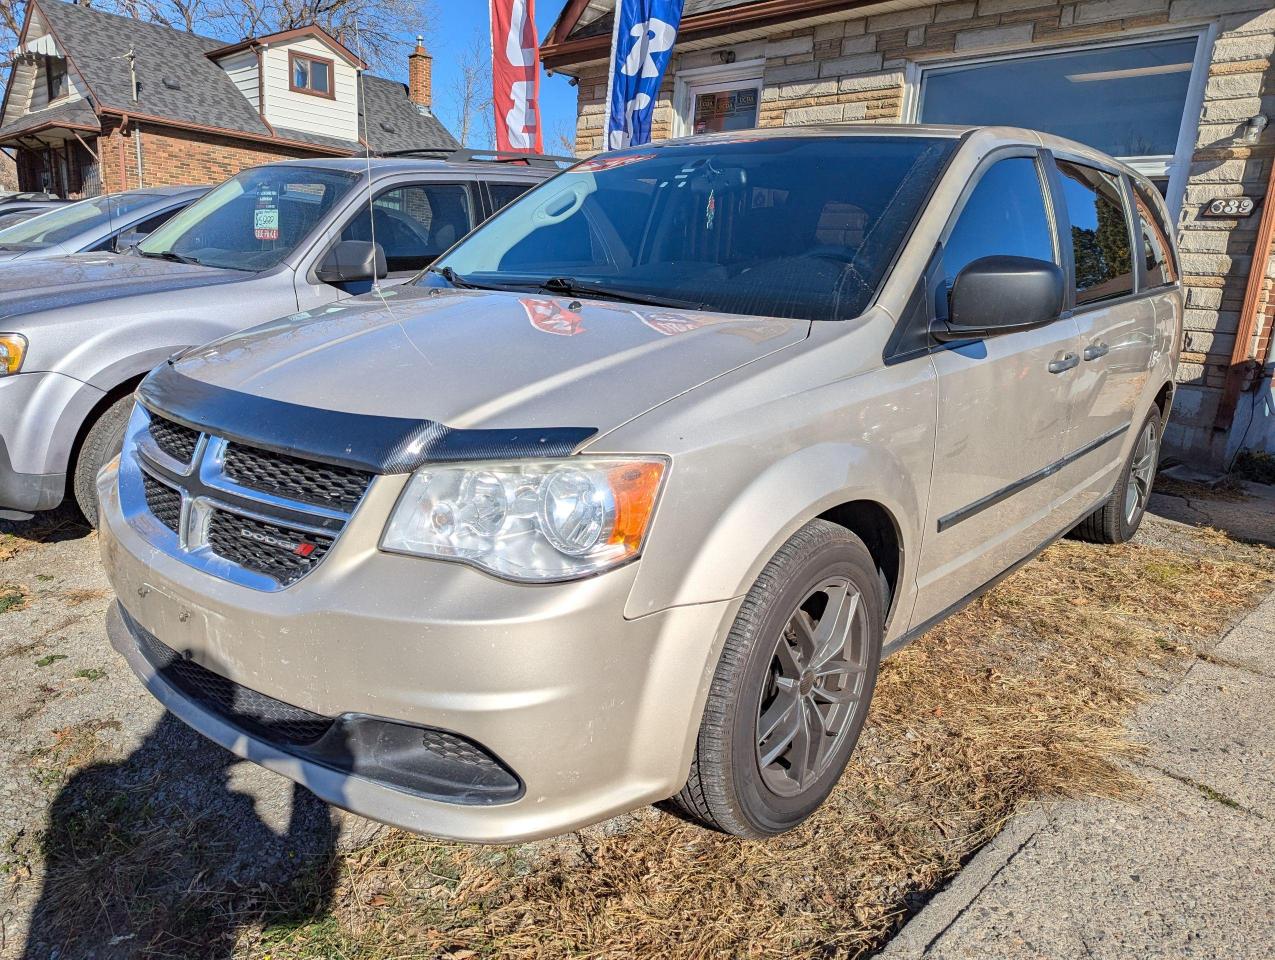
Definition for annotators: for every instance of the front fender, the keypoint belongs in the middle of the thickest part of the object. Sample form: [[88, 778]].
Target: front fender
[[729, 551]]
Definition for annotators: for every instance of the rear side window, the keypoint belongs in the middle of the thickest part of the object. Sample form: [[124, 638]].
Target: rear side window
[[414, 224], [505, 193], [1004, 216], [1099, 233], [1157, 250]]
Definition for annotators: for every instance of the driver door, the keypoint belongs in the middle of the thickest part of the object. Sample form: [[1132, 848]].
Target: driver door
[[413, 223], [1003, 412]]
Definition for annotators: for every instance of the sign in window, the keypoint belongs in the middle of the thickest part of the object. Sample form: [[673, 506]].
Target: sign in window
[[725, 110]]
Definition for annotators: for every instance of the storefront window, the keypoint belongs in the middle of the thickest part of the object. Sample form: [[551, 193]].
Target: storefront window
[[726, 110], [1129, 100]]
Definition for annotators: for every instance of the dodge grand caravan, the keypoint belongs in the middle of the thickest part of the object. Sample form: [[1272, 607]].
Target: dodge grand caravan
[[626, 499]]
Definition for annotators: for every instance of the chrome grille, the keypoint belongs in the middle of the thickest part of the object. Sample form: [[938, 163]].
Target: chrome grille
[[174, 439], [286, 476], [164, 502], [251, 516], [268, 548]]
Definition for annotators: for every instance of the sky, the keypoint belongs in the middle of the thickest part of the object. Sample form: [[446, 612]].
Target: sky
[[460, 21]]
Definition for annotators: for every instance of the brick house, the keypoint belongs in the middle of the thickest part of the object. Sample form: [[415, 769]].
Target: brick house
[[97, 103], [1180, 89]]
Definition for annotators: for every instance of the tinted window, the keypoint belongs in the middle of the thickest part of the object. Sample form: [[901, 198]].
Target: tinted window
[[503, 194], [414, 224], [1099, 233], [1157, 251], [1003, 216], [253, 220], [770, 227]]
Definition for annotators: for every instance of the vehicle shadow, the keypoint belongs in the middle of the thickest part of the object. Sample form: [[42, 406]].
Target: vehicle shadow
[[54, 526], [158, 854]]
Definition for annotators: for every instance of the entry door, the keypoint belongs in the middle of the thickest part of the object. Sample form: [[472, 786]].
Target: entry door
[[1117, 328], [1003, 404]]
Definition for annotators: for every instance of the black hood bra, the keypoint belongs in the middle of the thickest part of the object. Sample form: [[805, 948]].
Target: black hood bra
[[361, 441]]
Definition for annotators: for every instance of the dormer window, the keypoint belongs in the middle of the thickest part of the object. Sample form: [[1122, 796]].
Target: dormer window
[[312, 75], [55, 77]]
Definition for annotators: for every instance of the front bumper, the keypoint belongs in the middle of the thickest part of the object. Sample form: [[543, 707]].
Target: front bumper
[[594, 714], [40, 417]]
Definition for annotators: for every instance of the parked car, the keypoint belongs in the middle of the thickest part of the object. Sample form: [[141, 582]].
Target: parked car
[[33, 207], [108, 224], [78, 332], [627, 498]]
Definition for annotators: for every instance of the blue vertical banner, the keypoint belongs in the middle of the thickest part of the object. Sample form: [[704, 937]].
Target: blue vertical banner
[[641, 48]]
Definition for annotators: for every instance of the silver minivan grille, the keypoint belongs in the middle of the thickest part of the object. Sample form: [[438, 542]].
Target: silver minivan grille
[[253, 516]]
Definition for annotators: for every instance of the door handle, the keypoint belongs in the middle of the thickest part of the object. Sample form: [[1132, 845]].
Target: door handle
[[1096, 350], [1065, 364]]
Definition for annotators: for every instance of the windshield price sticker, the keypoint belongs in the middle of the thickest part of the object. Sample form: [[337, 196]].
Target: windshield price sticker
[[1229, 207], [265, 223]]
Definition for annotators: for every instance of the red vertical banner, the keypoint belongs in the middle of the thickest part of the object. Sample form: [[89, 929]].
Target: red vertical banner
[[515, 74]]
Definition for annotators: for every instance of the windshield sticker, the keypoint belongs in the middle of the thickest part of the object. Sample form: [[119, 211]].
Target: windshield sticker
[[599, 164], [265, 223]]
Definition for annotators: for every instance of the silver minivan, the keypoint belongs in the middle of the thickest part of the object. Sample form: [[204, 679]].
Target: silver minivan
[[626, 499]]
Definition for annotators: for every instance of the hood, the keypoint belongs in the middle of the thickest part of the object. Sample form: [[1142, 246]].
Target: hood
[[30, 285], [471, 359]]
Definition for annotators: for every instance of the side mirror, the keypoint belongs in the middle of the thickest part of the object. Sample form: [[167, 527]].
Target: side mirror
[[353, 260], [129, 238], [997, 295]]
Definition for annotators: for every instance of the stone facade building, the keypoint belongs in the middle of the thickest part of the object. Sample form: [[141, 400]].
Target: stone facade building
[[1180, 89]]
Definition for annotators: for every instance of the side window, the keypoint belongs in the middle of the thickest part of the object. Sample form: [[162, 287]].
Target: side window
[[152, 224], [414, 224], [503, 194], [1004, 216], [1099, 233], [1157, 250]]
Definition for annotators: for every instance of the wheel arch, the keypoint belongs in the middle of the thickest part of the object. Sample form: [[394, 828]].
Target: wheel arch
[[879, 530]]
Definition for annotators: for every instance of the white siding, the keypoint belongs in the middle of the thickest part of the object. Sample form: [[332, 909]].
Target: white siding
[[301, 111], [40, 90], [242, 69]]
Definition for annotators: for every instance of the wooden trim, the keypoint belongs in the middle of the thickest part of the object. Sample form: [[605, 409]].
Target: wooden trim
[[1245, 333], [568, 17], [555, 54], [325, 38], [293, 57]]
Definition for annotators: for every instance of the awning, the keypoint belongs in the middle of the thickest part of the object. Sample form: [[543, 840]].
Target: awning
[[42, 45]]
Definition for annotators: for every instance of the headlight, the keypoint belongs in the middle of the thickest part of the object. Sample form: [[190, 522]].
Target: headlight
[[13, 347], [538, 521]]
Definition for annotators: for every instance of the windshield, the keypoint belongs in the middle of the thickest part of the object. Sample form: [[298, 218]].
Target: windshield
[[64, 222], [791, 227], [253, 220]]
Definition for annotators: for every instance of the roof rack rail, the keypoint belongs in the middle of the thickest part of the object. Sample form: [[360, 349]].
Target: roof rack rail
[[468, 155]]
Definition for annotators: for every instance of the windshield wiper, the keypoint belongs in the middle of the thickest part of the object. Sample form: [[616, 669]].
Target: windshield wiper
[[464, 283], [570, 287], [171, 256]]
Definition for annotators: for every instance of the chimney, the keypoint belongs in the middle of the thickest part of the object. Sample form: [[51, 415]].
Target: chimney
[[420, 67]]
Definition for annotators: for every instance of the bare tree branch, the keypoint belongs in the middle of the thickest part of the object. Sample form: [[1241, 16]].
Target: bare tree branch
[[470, 91]]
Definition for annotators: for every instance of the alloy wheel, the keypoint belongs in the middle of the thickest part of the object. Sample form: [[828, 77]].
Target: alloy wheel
[[1141, 474], [815, 687]]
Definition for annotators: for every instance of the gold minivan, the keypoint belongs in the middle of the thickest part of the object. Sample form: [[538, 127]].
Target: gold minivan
[[625, 499]]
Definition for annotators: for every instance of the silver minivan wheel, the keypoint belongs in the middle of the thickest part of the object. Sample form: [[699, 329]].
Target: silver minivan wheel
[[815, 687], [1121, 513], [792, 687]]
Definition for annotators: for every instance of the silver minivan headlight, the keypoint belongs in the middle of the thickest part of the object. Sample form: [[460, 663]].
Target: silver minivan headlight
[[13, 349], [533, 520]]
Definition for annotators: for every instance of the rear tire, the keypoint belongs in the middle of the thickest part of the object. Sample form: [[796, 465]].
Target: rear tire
[[104, 440], [1118, 519], [792, 688]]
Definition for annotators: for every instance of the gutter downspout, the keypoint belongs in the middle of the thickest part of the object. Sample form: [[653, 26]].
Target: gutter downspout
[[1243, 363], [123, 157]]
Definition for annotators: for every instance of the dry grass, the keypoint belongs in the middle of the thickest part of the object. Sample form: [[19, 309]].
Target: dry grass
[[1021, 698]]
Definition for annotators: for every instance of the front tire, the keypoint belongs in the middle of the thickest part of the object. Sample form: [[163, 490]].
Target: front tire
[[1118, 519], [104, 440], [792, 688]]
